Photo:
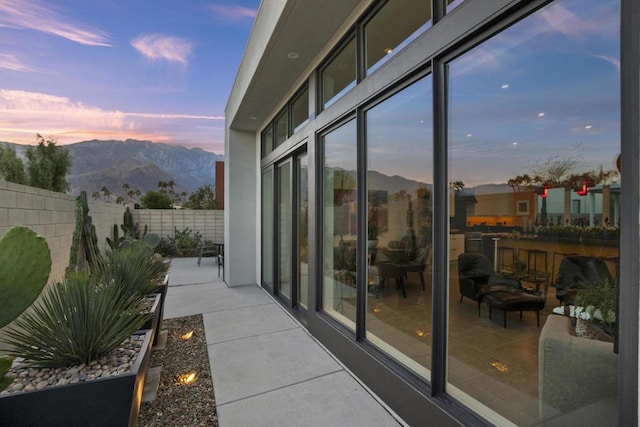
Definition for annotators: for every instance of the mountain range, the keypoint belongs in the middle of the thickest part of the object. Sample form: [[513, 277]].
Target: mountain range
[[140, 164]]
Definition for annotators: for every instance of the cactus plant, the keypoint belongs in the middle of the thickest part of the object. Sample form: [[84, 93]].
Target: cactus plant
[[151, 239], [84, 246], [5, 364], [25, 264], [127, 226], [116, 240], [24, 270], [89, 237]]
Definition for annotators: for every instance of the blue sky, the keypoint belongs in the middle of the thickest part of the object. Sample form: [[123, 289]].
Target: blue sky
[[158, 70]]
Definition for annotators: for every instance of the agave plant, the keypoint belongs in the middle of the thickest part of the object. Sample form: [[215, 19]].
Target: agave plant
[[75, 322], [134, 268]]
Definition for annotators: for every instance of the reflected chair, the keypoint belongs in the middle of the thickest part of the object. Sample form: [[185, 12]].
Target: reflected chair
[[399, 269], [477, 278], [578, 271]]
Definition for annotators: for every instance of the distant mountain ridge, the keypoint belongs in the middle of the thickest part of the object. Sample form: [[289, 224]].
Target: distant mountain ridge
[[141, 164]]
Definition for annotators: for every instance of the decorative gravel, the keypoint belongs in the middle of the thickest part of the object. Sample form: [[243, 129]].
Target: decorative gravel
[[177, 403], [119, 361]]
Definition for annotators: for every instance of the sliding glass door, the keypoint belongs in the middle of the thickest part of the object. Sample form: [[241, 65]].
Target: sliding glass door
[[285, 204]]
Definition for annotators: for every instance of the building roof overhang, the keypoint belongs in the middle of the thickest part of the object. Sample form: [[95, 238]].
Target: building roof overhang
[[267, 73]]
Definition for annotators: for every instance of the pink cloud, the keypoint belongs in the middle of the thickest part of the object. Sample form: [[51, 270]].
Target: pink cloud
[[158, 46], [23, 114], [233, 13], [38, 16]]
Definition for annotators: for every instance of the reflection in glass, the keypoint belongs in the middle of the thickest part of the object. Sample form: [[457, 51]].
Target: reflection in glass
[[397, 24], [399, 188], [267, 141], [284, 229], [267, 228], [282, 128], [303, 230], [533, 137], [339, 224], [300, 110], [339, 76], [452, 4]]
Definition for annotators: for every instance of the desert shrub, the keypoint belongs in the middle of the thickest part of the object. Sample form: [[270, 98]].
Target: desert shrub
[[186, 242], [134, 267], [166, 247], [75, 322]]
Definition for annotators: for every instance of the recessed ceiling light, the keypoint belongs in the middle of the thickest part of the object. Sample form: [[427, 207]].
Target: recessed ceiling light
[[388, 50], [253, 118], [588, 127], [505, 86], [540, 114], [293, 55], [469, 135]]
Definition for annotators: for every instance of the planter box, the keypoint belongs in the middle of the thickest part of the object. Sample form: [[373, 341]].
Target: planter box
[[152, 323], [162, 291], [108, 402]]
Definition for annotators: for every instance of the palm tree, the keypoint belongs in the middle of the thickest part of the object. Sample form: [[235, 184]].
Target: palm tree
[[126, 188], [106, 192]]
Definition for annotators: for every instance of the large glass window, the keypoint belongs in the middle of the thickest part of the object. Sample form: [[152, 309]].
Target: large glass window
[[300, 110], [267, 228], [339, 75], [399, 188], [339, 226], [284, 229], [394, 26], [534, 131], [303, 229], [281, 126], [267, 140]]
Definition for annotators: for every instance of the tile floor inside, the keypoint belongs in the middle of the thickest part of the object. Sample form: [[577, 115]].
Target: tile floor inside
[[488, 363]]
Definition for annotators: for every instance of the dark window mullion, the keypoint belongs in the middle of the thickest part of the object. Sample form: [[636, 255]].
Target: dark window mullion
[[295, 217], [440, 230], [361, 227]]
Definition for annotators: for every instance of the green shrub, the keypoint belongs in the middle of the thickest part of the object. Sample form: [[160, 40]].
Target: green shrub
[[135, 268], [166, 248], [186, 242], [75, 322]]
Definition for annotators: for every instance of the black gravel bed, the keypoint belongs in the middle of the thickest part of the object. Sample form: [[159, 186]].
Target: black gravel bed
[[178, 404]]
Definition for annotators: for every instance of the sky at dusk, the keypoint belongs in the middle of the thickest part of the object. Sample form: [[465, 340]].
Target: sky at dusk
[[158, 70]]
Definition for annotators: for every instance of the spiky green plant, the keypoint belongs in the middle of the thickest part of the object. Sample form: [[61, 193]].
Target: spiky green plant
[[75, 322], [134, 268]]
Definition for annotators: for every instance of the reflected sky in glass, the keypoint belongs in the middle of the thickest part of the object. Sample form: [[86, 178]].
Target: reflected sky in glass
[[552, 82]]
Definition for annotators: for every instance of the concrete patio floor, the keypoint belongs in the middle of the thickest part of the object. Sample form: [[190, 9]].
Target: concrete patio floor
[[266, 369]]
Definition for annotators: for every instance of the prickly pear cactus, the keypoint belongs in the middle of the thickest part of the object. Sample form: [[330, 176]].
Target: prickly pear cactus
[[152, 240], [5, 364], [25, 264]]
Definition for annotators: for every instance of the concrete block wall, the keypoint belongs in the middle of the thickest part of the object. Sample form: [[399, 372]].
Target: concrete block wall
[[210, 223], [52, 215]]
